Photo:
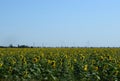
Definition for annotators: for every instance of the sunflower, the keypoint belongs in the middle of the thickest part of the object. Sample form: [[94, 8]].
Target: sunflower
[[38, 57], [75, 60], [85, 67], [116, 72], [101, 58], [1, 64], [21, 57], [96, 68], [35, 60], [53, 64], [25, 74], [49, 61], [66, 56], [82, 57], [42, 55], [13, 61], [24, 62]]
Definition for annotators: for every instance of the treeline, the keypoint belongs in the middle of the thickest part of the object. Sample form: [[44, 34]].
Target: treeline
[[26, 46], [19, 46]]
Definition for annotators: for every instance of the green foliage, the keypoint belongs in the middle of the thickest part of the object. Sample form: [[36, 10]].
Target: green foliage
[[59, 64]]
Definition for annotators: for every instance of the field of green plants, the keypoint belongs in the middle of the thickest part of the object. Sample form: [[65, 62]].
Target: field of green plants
[[59, 64]]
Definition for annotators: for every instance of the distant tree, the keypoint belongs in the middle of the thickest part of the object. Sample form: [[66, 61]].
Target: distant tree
[[23, 46], [2, 47], [18, 46], [10, 46]]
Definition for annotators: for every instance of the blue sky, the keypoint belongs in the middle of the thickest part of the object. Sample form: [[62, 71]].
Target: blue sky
[[60, 22]]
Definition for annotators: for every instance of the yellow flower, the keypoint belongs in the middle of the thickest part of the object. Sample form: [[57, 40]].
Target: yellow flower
[[24, 62], [1, 64], [24, 59], [85, 67], [53, 64], [75, 60], [25, 73], [66, 56], [101, 58], [21, 56], [49, 61], [38, 57], [13, 62], [96, 68], [82, 57], [35, 59], [42, 54], [110, 58]]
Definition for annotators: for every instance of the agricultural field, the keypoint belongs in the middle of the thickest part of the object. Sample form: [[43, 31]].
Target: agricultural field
[[59, 64]]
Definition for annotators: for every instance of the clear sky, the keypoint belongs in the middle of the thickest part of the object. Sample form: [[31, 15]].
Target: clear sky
[[60, 22]]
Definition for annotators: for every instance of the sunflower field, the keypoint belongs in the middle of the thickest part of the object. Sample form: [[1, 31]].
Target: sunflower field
[[59, 64]]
